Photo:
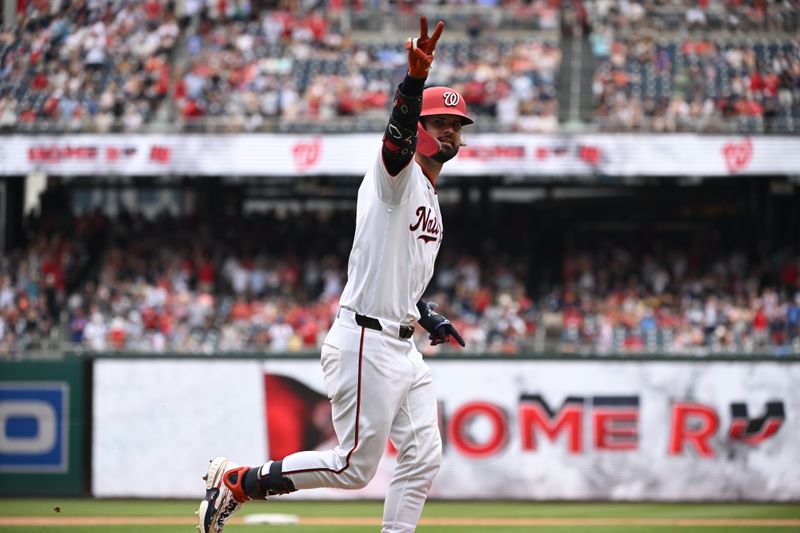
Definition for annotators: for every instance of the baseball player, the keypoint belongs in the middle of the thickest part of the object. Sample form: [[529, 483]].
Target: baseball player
[[379, 386]]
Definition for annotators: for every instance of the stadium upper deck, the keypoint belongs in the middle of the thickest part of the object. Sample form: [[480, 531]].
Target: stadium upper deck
[[154, 66]]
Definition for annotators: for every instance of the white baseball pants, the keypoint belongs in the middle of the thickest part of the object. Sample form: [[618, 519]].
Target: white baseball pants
[[380, 388]]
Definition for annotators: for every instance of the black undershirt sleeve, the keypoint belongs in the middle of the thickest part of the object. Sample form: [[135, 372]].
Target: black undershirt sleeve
[[400, 137]]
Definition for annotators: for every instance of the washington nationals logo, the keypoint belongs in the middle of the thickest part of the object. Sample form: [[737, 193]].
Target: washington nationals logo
[[451, 99], [307, 154], [428, 223], [738, 155]]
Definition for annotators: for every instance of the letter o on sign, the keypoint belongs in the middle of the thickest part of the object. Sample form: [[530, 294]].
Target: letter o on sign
[[462, 422], [41, 413], [451, 99]]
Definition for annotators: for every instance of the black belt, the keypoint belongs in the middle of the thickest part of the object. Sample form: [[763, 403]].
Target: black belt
[[373, 323]]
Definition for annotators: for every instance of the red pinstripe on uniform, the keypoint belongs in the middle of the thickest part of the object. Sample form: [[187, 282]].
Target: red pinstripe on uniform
[[358, 417]]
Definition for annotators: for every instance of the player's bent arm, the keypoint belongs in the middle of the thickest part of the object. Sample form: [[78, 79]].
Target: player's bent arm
[[400, 137]]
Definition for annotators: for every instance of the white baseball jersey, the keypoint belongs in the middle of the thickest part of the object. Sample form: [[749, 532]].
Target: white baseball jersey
[[379, 385], [398, 235]]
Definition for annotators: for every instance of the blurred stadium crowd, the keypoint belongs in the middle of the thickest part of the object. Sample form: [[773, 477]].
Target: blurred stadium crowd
[[288, 65], [272, 284], [88, 282], [711, 66], [136, 65]]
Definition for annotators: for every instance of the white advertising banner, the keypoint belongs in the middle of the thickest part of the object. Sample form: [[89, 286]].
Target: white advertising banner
[[157, 423], [512, 429], [522, 155]]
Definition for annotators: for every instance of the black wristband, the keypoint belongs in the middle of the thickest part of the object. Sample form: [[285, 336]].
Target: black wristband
[[412, 86]]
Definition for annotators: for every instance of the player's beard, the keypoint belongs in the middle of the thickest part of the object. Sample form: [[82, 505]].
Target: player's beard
[[446, 154]]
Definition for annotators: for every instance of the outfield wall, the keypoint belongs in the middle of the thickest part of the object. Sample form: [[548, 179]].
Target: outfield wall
[[512, 428], [43, 428], [610, 429]]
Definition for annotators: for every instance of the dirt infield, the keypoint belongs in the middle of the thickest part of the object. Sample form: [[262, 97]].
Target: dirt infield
[[447, 521]]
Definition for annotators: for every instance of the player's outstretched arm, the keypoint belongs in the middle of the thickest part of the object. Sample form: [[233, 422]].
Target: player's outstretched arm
[[400, 138], [440, 329]]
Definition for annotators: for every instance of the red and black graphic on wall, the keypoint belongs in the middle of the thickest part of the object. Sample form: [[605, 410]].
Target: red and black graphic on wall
[[614, 421], [298, 417], [756, 430], [694, 425], [461, 436]]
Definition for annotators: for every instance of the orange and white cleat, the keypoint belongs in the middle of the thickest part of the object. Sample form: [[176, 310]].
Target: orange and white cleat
[[224, 495]]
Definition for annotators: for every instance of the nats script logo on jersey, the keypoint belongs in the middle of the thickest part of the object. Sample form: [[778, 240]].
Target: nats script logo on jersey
[[427, 223]]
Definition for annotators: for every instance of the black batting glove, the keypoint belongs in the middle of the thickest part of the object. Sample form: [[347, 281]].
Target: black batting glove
[[438, 326]]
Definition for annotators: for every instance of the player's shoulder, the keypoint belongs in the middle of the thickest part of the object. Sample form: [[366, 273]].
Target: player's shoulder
[[409, 174], [398, 188]]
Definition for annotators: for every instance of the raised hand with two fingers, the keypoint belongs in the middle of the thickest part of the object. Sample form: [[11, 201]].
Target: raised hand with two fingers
[[421, 49]]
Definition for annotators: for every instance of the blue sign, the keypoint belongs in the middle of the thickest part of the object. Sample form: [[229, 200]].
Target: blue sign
[[33, 427]]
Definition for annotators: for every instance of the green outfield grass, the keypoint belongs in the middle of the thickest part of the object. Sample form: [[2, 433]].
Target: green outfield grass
[[527, 513]]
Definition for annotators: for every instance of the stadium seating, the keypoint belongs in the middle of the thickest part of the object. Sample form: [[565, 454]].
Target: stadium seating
[[709, 66], [106, 285], [82, 68], [691, 84], [268, 83], [719, 66], [661, 65], [85, 68]]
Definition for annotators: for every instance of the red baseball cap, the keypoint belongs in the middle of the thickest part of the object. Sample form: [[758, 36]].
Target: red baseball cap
[[444, 101]]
